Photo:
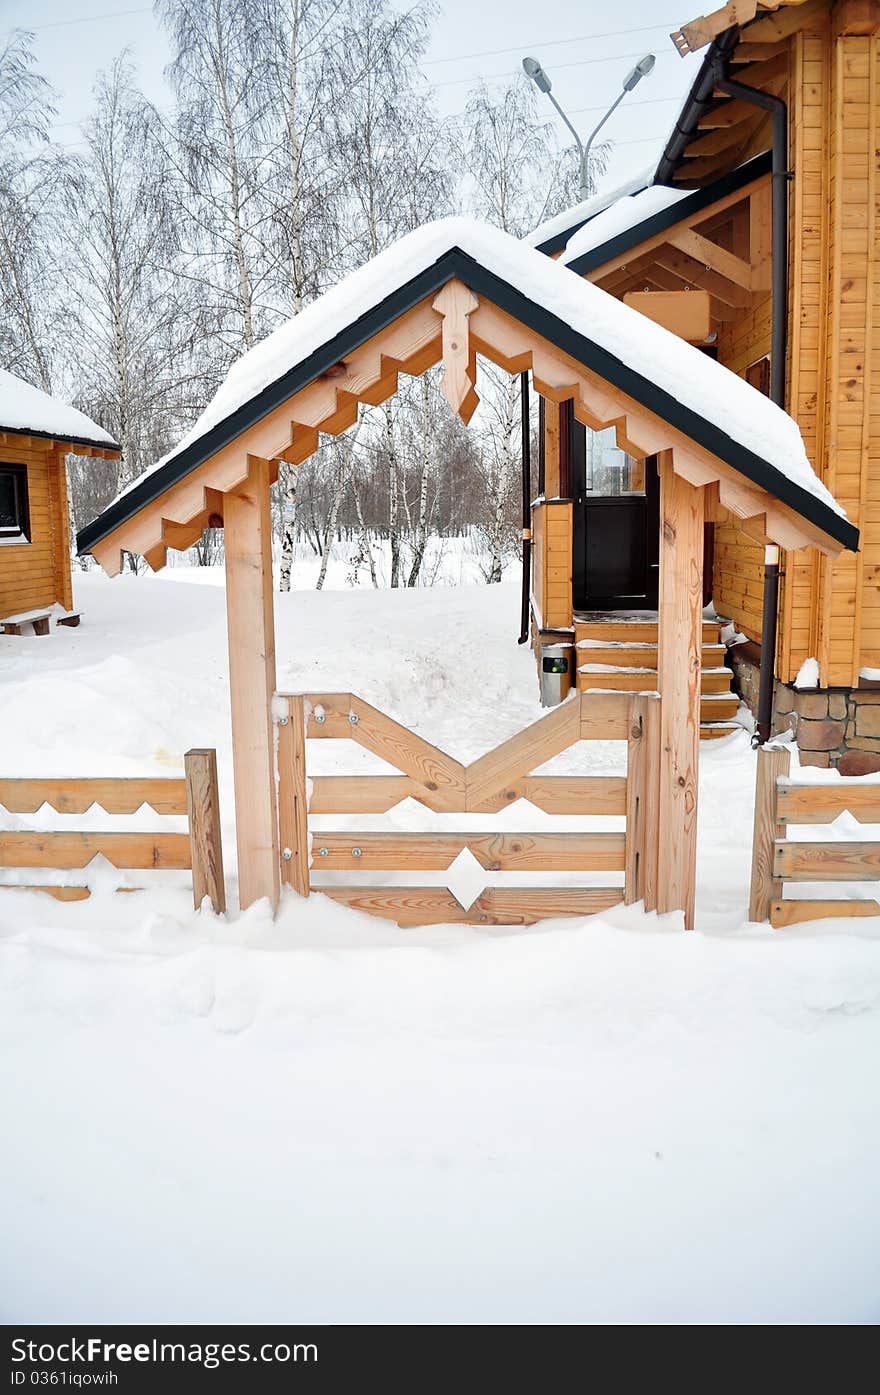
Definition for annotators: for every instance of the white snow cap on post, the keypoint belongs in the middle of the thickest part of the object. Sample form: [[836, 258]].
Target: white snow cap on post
[[691, 377]]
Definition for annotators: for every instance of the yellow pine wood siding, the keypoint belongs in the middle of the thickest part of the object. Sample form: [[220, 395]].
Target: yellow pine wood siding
[[809, 121], [834, 611], [738, 569], [37, 573], [551, 564]]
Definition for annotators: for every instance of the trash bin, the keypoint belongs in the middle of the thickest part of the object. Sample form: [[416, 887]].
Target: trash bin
[[555, 673]]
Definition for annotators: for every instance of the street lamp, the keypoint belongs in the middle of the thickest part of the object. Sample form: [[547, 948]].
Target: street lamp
[[539, 77]]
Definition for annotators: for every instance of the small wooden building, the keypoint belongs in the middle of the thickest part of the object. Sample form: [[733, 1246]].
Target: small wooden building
[[447, 293], [36, 433], [755, 238]]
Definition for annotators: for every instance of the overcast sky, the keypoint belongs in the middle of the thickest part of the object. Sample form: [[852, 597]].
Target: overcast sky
[[586, 48]]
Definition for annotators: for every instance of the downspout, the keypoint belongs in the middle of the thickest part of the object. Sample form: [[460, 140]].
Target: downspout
[[778, 349], [526, 506]]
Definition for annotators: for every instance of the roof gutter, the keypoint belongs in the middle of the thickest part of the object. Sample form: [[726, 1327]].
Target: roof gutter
[[701, 99]]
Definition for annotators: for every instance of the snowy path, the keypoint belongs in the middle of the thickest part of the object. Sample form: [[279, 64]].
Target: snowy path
[[327, 1118]]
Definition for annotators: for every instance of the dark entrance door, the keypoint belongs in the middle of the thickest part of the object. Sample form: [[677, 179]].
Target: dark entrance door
[[616, 527]]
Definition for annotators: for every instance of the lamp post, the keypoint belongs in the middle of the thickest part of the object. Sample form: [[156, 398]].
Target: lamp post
[[539, 77]]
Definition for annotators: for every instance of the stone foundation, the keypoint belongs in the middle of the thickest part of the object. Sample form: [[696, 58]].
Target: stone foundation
[[833, 727]]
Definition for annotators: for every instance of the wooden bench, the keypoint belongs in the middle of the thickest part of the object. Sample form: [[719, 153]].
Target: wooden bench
[[12, 625]]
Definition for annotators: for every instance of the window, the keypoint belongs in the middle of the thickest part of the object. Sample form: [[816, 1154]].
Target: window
[[14, 520], [758, 374]]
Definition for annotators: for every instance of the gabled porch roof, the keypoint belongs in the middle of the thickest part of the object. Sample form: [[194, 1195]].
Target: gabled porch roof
[[517, 307]]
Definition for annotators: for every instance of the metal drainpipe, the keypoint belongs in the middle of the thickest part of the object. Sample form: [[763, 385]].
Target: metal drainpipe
[[778, 348], [526, 505]]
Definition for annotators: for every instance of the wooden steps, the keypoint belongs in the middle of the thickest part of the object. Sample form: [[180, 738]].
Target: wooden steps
[[621, 656]]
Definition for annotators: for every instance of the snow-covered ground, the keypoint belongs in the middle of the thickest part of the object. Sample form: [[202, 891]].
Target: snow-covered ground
[[327, 1118]]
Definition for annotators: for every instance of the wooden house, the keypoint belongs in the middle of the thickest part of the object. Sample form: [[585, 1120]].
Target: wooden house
[[756, 239], [36, 433]]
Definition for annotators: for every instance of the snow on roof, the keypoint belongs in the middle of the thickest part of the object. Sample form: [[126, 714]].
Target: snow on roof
[[699, 383], [26, 408], [572, 218], [627, 212]]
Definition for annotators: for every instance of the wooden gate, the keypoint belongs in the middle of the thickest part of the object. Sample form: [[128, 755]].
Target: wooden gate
[[445, 786]]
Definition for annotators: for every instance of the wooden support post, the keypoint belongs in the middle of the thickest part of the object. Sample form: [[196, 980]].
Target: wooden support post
[[206, 845], [651, 812], [764, 888], [636, 789], [680, 634], [293, 820], [251, 630]]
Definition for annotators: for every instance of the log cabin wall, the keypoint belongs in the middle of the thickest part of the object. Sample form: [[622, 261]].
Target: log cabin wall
[[738, 569], [36, 574], [833, 612]]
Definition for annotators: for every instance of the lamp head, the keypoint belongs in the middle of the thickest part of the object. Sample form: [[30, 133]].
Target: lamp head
[[635, 75], [534, 70]]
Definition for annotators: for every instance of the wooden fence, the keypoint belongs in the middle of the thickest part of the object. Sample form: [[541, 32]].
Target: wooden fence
[[195, 795], [778, 861], [442, 784]]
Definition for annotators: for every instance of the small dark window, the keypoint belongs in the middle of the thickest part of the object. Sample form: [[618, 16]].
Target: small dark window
[[758, 374], [14, 520]]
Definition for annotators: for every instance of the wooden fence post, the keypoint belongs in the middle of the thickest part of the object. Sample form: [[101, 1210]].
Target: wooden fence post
[[206, 845], [633, 880], [293, 815], [772, 763]]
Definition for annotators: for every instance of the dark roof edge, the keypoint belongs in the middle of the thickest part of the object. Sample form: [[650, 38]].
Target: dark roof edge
[[506, 297], [699, 199], [59, 436], [698, 101], [226, 431]]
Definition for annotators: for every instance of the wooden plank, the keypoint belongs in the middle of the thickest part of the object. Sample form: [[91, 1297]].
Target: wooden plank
[[651, 803], [685, 313], [206, 843], [564, 794], [555, 794], [76, 849], [824, 803], [433, 905], [522, 753], [715, 258], [64, 893], [552, 439], [441, 775], [635, 799], [251, 635], [771, 765], [824, 862], [293, 807], [74, 796], [604, 716], [495, 851], [680, 643], [785, 913]]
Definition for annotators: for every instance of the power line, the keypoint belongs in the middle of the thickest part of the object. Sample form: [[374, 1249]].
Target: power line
[[575, 63], [551, 43], [88, 19]]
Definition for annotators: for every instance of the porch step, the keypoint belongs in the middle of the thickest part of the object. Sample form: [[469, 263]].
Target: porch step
[[641, 680], [638, 655], [717, 730], [620, 653], [634, 631]]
